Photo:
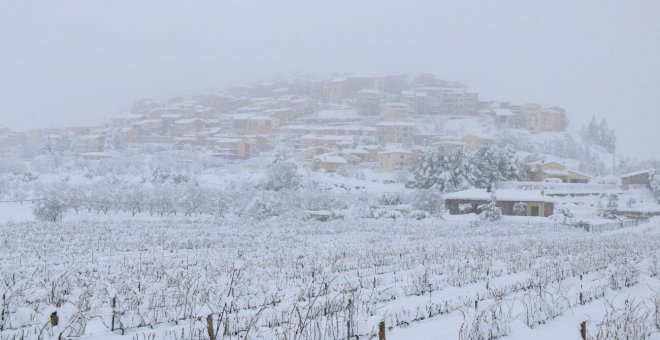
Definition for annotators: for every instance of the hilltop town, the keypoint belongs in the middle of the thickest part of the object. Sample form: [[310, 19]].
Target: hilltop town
[[388, 136], [334, 121]]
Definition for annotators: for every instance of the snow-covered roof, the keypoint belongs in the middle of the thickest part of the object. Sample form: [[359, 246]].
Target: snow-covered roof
[[397, 105], [172, 115], [335, 157], [148, 121], [509, 195], [228, 140], [98, 154], [328, 137], [338, 114], [356, 151], [188, 121], [328, 128], [503, 112], [261, 117], [128, 116], [395, 150], [556, 172], [90, 137], [409, 124], [578, 173], [637, 173]]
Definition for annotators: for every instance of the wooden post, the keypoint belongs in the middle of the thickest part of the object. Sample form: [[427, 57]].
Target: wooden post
[[54, 319], [381, 330], [2, 314], [583, 330], [209, 326], [114, 303]]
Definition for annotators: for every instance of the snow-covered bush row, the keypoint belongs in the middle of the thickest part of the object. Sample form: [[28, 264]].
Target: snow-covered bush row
[[285, 279], [173, 194]]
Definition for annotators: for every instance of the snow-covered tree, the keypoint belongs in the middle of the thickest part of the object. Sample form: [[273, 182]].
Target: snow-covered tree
[[134, 199], [490, 211], [192, 200], [600, 134], [493, 163], [282, 174], [519, 208], [566, 214], [444, 171], [259, 209], [429, 201], [609, 208], [462, 173], [49, 210], [431, 173], [115, 140]]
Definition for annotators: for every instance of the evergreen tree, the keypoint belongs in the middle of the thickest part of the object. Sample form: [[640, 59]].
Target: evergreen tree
[[462, 173], [600, 134], [445, 172], [432, 171], [493, 163], [490, 211], [282, 174]]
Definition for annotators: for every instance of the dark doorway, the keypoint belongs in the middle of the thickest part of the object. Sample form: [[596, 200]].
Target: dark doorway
[[535, 211]]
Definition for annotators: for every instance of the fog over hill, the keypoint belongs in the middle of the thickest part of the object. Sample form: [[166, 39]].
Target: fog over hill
[[77, 62]]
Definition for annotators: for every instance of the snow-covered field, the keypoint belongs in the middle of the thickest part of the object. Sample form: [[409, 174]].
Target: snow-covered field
[[289, 279]]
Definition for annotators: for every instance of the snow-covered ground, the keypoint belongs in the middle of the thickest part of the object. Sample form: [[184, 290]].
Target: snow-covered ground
[[285, 278]]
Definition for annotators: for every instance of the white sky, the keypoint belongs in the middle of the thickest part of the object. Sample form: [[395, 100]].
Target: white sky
[[78, 61]]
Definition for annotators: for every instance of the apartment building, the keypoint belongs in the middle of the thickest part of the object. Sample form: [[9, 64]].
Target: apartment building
[[534, 118], [395, 159], [395, 132], [368, 102]]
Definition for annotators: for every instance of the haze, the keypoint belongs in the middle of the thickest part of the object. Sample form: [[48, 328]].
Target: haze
[[77, 62]]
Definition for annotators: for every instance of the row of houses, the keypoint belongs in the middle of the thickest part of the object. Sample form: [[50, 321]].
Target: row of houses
[[338, 113], [633, 198], [387, 159], [529, 116]]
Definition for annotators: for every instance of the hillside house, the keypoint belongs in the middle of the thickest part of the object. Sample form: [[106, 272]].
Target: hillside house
[[536, 119], [511, 202], [392, 160], [504, 118], [548, 170], [315, 151], [125, 120], [238, 146], [89, 143], [395, 132], [328, 141], [332, 161], [368, 102], [260, 125], [474, 142], [396, 112], [637, 178], [188, 126]]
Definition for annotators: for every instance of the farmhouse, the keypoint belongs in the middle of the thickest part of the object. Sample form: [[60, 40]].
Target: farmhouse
[[315, 151], [637, 178], [511, 202], [331, 161], [546, 170]]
